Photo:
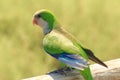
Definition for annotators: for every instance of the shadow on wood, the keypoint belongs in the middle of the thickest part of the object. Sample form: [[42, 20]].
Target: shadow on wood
[[99, 73]]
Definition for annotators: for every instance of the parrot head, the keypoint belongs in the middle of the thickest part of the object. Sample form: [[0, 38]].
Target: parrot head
[[44, 19]]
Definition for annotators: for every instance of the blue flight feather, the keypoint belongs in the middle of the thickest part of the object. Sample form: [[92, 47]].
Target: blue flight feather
[[73, 60]]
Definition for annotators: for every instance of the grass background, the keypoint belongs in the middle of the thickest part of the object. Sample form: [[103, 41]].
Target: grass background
[[96, 23]]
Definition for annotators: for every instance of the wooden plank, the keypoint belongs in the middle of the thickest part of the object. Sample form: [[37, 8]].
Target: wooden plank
[[99, 73]]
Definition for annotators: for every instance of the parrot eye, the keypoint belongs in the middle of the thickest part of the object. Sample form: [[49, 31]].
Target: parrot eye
[[39, 16]]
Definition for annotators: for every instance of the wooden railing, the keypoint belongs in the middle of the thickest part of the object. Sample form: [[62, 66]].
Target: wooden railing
[[99, 73]]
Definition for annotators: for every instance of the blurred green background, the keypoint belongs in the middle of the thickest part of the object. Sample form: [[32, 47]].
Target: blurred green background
[[96, 23]]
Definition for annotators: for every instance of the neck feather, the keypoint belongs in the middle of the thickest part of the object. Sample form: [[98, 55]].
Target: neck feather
[[48, 28]]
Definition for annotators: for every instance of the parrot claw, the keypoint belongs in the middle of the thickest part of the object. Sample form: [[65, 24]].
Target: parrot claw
[[64, 71]]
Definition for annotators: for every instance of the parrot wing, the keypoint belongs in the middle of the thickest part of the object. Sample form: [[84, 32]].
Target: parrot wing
[[89, 53]]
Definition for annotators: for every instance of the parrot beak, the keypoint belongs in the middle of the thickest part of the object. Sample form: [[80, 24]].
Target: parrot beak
[[35, 21]]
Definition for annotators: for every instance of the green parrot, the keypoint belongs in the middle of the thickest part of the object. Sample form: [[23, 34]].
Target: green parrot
[[63, 46]]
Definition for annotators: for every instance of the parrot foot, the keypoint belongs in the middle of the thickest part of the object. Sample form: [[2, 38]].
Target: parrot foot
[[64, 71]]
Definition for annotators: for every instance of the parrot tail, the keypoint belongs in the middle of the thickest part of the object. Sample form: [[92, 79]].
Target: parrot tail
[[86, 73]]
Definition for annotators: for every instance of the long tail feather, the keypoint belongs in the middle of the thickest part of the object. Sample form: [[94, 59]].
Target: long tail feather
[[86, 73]]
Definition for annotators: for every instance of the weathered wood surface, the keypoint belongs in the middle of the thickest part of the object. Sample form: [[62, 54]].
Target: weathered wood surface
[[99, 73]]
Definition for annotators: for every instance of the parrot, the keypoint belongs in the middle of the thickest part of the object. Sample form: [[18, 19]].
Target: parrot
[[63, 46]]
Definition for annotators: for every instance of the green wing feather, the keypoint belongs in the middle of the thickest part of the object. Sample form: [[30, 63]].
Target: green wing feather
[[89, 53]]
